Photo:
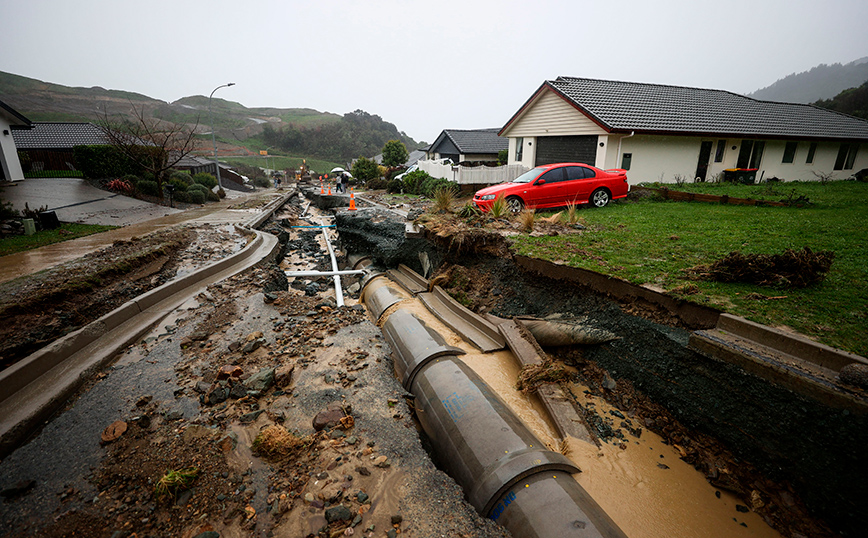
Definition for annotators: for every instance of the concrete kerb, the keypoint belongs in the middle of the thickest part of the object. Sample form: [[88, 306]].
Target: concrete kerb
[[29, 398]]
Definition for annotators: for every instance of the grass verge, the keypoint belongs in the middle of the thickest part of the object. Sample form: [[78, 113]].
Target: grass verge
[[655, 243], [20, 243]]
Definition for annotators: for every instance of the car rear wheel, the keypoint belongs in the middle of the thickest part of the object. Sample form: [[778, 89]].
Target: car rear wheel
[[514, 204], [600, 198]]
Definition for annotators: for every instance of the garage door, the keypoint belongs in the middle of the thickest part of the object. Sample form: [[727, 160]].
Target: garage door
[[566, 149]]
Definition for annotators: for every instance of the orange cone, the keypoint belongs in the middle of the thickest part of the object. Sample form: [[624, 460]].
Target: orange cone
[[321, 189], [330, 189], [352, 200]]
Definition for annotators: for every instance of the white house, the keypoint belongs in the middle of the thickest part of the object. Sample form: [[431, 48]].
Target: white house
[[660, 132], [10, 166]]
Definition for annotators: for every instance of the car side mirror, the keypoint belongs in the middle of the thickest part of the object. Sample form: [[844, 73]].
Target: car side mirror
[[540, 182]]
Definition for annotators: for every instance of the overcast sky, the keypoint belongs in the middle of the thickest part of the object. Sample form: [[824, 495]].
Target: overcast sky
[[424, 66]]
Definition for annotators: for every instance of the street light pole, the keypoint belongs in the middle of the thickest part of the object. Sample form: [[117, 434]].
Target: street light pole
[[213, 139]]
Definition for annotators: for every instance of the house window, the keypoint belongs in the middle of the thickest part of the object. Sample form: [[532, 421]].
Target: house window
[[811, 150], [718, 154], [790, 152], [751, 154], [626, 160], [519, 147], [846, 156]]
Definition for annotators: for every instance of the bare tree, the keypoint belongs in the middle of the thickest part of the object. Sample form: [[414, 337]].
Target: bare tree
[[155, 145]]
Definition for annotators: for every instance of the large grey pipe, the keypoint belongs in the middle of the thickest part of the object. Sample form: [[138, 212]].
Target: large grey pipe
[[505, 471]]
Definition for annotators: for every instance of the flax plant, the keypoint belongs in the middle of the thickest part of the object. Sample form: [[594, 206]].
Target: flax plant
[[526, 219], [499, 208]]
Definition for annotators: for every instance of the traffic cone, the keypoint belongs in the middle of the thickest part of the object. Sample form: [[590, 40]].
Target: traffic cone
[[330, 189], [321, 188], [352, 200]]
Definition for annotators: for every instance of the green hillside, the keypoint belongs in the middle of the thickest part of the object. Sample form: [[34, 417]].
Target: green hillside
[[821, 82], [853, 101]]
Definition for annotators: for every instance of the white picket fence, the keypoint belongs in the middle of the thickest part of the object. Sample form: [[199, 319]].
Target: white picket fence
[[472, 175]]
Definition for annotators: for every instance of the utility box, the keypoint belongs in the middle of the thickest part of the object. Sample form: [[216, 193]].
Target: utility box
[[48, 220], [29, 226]]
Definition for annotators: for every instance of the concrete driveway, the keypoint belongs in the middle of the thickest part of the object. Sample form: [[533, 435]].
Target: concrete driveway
[[75, 200]]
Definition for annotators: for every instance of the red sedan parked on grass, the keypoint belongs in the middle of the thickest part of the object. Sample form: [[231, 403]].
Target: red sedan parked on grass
[[556, 185]]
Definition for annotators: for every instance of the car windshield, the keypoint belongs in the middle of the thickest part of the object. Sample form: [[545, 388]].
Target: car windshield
[[529, 176]]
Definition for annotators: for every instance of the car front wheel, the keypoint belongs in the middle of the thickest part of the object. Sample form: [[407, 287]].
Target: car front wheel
[[600, 198], [515, 204]]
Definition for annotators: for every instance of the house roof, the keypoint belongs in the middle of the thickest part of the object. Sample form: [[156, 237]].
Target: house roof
[[656, 108], [21, 120], [473, 141], [59, 135]]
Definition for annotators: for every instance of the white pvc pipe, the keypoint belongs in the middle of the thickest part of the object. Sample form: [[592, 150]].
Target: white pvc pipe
[[339, 294], [323, 273]]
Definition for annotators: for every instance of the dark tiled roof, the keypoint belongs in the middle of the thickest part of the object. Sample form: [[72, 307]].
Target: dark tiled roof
[[55, 135], [477, 141], [631, 106]]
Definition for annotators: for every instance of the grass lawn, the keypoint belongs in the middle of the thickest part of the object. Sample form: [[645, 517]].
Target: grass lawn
[[20, 243], [654, 242]]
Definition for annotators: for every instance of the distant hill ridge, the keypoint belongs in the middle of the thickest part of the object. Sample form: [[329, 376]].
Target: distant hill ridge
[[821, 82], [44, 101]]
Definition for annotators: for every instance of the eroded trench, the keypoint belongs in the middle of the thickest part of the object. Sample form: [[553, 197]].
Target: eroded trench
[[679, 444]]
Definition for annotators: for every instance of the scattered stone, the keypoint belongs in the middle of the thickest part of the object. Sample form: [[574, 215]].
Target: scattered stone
[[854, 374], [255, 335], [143, 421], [270, 297], [250, 347], [143, 401], [338, 513], [362, 497], [218, 395], [174, 415], [238, 391], [246, 418], [208, 534], [283, 375], [184, 498], [228, 442], [261, 380], [742, 508], [234, 346], [309, 498], [392, 533], [363, 471], [351, 440], [19, 489], [229, 370], [113, 431], [381, 461], [329, 418], [198, 336], [609, 384]]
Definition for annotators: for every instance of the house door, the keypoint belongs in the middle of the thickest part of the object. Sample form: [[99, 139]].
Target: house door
[[704, 157]]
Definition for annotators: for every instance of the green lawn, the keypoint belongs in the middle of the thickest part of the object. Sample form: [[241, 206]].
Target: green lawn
[[654, 242], [20, 243]]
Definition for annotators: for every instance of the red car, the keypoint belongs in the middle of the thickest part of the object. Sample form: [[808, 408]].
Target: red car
[[556, 185]]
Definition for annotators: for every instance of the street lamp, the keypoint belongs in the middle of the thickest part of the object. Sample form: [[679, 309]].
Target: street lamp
[[213, 139]]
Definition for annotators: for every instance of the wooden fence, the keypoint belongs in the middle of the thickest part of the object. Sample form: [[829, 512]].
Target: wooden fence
[[473, 175]]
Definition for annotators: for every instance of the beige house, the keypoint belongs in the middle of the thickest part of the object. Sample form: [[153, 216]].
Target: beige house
[[10, 165], [665, 133]]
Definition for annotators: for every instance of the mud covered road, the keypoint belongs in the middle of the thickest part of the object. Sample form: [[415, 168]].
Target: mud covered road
[[283, 411]]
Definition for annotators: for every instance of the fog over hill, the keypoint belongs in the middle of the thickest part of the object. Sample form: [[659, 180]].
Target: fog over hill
[[820, 82]]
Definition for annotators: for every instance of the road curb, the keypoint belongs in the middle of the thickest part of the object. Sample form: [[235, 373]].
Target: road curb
[[35, 387]]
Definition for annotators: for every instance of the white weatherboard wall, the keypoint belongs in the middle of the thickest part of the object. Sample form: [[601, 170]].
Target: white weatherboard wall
[[9, 161], [661, 158]]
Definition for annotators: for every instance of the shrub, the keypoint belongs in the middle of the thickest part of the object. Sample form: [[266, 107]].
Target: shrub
[[429, 188], [443, 198], [262, 182], [394, 153], [179, 183], [196, 197], [365, 169], [395, 185], [499, 207], [182, 196], [119, 185], [148, 187], [182, 176], [208, 193], [378, 184], [204, 178]]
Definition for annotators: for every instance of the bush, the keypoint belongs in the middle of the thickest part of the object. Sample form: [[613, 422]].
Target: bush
[[196, 197], [181, 175], [378, 184], [262, 182], [208, 193], [433, 184], [148, 188], [204, 178], [395, 185], [181, 196], [180, 184]]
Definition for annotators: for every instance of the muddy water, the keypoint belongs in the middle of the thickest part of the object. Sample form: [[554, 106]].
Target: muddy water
[[645, 487]]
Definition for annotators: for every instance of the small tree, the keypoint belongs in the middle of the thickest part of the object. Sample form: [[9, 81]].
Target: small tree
[[365, 169], [394, 153], [154, 145]]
